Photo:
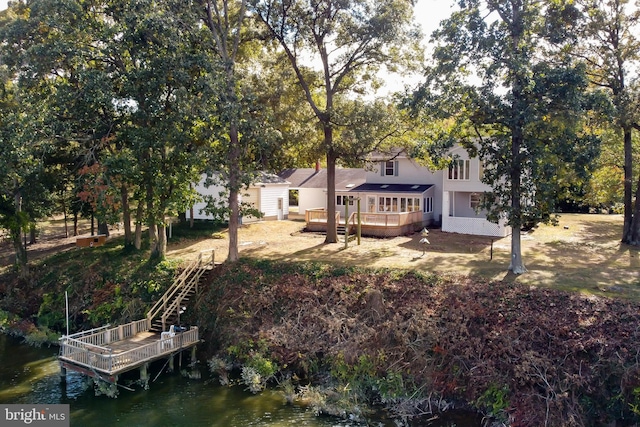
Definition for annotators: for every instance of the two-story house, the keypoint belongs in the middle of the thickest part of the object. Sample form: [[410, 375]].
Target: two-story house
[[399, 196], [462, 189]]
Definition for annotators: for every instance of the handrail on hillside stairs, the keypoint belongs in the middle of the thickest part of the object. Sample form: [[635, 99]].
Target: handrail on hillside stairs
[[188, 280]]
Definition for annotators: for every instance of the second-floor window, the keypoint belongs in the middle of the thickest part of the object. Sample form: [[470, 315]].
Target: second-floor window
[[459, 170], [389, 168]]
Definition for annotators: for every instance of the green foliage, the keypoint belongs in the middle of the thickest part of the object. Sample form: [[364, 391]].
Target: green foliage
[[49, 314], [635, 403], [496, 401], [506, 90], [257, 367], [41, 336]]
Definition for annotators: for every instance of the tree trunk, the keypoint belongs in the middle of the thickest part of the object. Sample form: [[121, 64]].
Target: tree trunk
[[161, 252], [234, 190], [75, 223], [151, 223], [627, 229], [16, 236], [516, 264], [32, 234], [126, 216], [332, 232], [103, 227], [64, 213], [137, 242], [93, 224], [633, 236], [153, 241]]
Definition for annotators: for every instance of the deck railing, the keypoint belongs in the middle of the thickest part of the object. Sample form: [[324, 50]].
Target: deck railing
[[136, 356], [103, 359], [105, 335], [394, 219], [319, 215]]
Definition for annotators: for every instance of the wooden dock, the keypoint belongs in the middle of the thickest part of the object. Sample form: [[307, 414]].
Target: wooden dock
[[108, 352]]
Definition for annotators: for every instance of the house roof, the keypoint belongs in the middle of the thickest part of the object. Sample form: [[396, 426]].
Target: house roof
[[310, 178], [269, 178], [391, 188]]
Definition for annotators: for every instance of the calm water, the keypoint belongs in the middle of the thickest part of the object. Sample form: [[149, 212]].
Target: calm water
[[31, 375]]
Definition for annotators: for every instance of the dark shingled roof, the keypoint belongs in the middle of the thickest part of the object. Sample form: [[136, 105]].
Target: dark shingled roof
[[391, 188], [269, 178], [309, 178]]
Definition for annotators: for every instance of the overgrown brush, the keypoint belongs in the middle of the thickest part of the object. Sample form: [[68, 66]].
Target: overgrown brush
[[524, 355]]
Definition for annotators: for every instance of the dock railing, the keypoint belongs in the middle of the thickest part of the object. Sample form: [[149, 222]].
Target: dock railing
[[106, 334], [103, 359]]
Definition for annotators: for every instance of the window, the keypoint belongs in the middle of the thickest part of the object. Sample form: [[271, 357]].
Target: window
[[474, 201], [459, 170], [387, 204], [389, 168], [343, 200], [428, 204], [371, 202]]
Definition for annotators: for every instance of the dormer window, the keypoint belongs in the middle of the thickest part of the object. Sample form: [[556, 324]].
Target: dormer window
[[389, 168]]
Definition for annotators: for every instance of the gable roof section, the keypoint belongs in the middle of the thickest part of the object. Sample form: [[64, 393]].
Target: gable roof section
[[269, 178], [391, 188], [310, 178]]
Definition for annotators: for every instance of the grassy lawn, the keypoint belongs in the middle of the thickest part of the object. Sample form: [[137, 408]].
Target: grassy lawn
[[582, 253]]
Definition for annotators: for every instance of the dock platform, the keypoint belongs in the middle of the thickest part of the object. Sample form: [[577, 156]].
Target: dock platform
[[107, 352]]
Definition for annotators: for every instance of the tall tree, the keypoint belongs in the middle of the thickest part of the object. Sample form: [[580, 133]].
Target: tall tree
[[239, 130], [501, 80], [158, 73], [611, 49], [350, 41], [24, 143]]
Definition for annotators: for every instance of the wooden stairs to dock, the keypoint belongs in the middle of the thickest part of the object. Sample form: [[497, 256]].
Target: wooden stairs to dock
[[171, 305]]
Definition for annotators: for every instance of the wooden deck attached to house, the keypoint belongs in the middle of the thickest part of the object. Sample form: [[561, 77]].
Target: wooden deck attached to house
[[109, 352], [372, 224]]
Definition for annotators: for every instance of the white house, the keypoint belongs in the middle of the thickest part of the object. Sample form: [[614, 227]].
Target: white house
[[399, 196], [310, 184], [269, 194], [462, 189]]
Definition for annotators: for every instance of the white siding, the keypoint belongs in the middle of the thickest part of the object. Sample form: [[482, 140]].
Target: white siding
[[263, 197], [269, 200], [214, 190], [311, 198], [473, 184], [409, 172]]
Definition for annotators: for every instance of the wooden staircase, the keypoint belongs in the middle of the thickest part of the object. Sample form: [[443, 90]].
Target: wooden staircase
[[166, 311], [348, 227]]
